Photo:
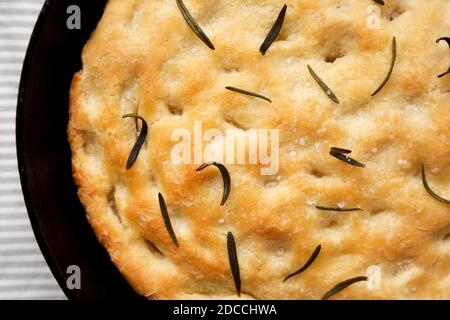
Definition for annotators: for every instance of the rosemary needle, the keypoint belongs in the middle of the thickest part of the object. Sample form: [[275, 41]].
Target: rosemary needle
[[391, 68], [225, 176], [194, 25], [323, 85], [274, 32], [140, 141], [248, 93]]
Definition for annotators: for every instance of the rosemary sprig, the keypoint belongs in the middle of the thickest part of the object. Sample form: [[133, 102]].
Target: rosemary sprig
[[307, 264], [431, 192], [248, 93], [391, 68], [338, 209], [445, 73], [140, 141], [341, 150], [323, 85], [274, 32], [234, 263], [446, 39], [166, 218], [225, 176], [341, 154], [341, 286], [194, 25]]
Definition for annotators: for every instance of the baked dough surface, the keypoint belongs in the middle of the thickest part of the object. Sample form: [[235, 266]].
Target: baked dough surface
[[144, 58]]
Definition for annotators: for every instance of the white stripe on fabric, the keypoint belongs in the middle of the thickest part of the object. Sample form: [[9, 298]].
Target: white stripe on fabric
[[15, 30], [6, 211], [22, 258], [7, 114], [15, 17], [13, 234], [16, 222], [24, 270], [8, 126], [14, 5], [9, 174], [10, 186], [32, 294], [12, 54], [10, 66], [7, 102], [16, 282], [7, 137], [17, 246]]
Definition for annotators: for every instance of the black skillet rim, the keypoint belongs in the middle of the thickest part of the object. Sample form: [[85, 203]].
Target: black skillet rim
[[22, 165]]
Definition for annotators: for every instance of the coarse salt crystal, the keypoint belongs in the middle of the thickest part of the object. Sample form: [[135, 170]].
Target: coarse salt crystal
[[317, 146], [411, 107]]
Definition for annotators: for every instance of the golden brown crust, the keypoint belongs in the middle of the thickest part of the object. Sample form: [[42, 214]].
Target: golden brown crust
[[143, 58]]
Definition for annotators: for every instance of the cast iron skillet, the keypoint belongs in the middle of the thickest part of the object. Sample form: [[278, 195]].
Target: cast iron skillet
[[57, 217]]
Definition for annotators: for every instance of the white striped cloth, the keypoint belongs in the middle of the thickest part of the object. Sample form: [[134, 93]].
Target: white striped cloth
[[23, 271]]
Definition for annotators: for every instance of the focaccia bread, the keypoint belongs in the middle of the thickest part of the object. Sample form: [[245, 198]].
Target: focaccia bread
[[382, 219]]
